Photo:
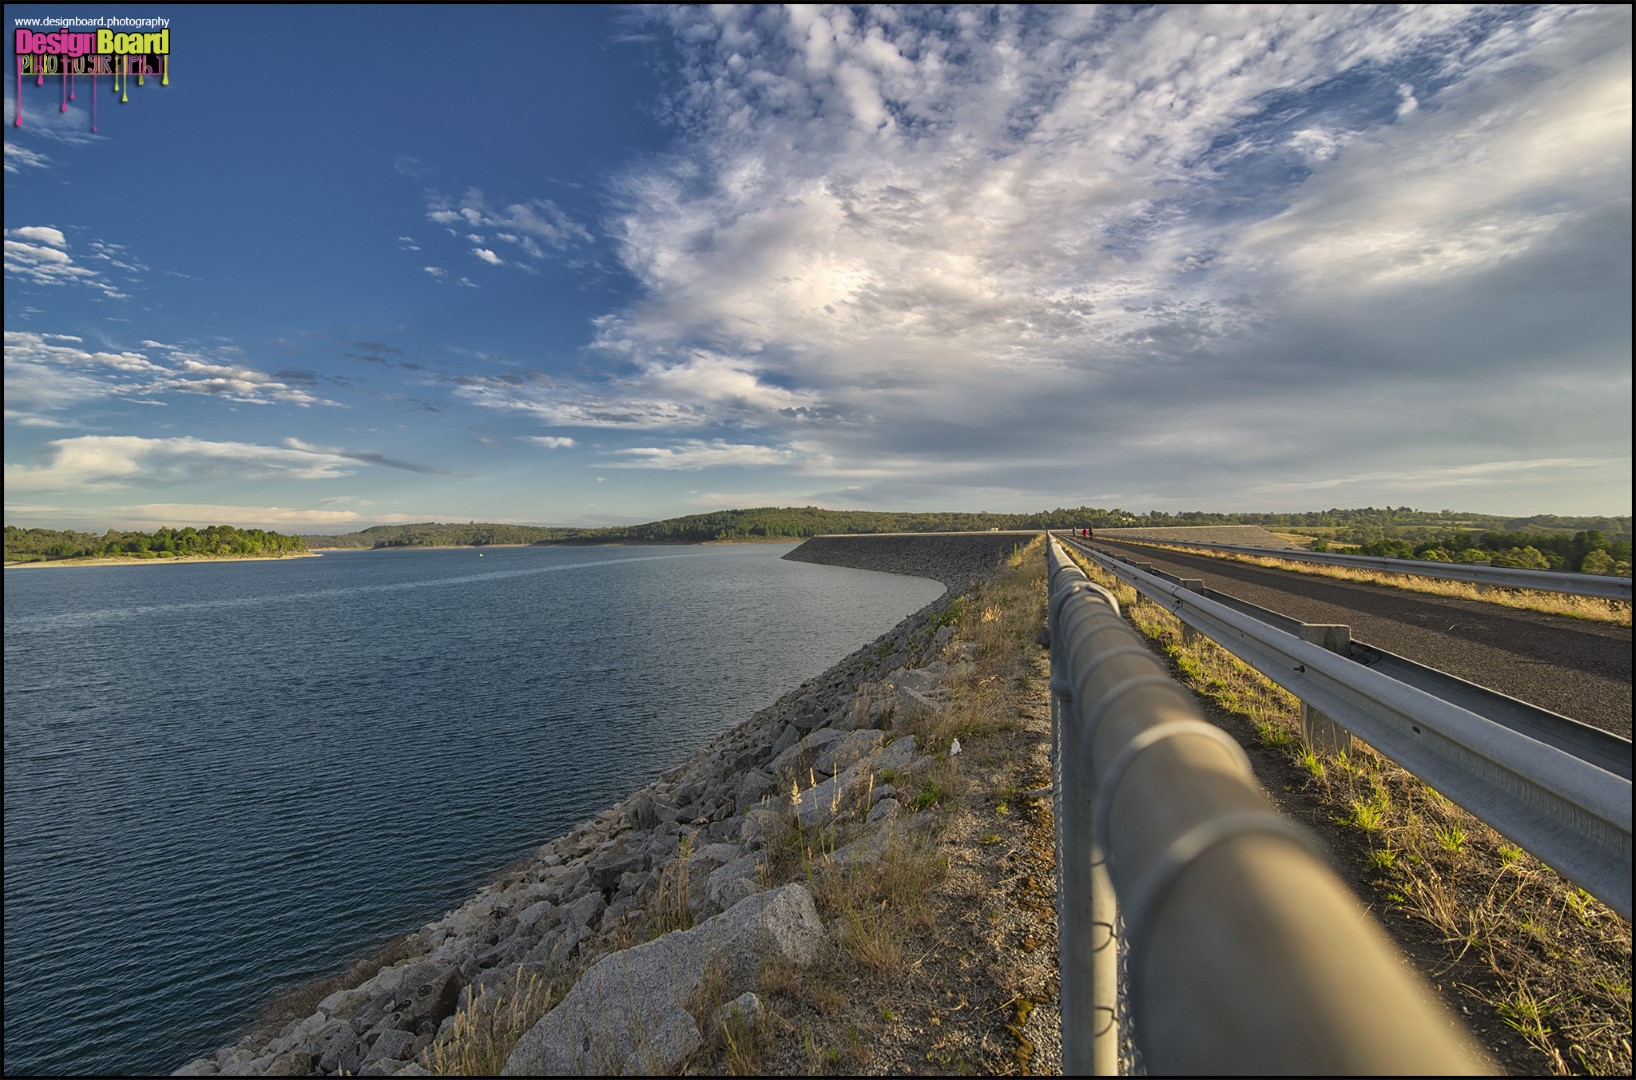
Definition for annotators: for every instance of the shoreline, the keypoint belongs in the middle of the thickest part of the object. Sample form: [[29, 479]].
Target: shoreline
[[131, 560], [572, 543]]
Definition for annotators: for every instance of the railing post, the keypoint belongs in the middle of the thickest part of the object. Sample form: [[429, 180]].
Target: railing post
[[1322, 734], [1191, 584]]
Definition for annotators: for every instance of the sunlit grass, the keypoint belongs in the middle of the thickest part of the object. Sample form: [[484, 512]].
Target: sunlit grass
[[1593, 608]]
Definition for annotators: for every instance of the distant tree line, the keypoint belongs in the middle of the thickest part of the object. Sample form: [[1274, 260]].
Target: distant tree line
[[1585, 552], [1443, 530], [435, 534], [36, 545]]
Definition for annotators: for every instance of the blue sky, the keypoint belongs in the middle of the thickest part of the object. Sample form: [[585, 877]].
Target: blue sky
[[589, 266]]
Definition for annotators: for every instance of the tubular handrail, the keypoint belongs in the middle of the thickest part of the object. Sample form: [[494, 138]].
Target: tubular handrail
[[1566, 811], [1561, 581], [1246, 954]]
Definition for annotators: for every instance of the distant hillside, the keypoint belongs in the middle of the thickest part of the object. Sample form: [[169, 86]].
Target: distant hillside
[[796, 523], [215, 541]]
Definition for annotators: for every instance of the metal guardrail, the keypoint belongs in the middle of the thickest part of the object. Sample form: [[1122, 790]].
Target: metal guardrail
[[1601, 748], [1246, 954], [1571, 813], [1608, 588]]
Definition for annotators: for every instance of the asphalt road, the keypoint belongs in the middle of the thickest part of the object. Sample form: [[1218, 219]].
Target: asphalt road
[[1577, 668]]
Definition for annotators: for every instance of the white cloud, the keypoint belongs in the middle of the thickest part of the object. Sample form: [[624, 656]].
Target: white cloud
[[112, 462], [537, 227], [52, 372], [940, 242], [18, 158], [160, 515], [699, 454], [564, 404], [43, 233], [36, 255], [550, 442]]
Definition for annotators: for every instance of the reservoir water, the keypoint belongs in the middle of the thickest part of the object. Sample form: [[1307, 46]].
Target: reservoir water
[[224, 778]]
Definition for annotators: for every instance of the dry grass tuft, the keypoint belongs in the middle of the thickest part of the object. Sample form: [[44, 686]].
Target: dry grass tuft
[[487, 1029], [671, 908]]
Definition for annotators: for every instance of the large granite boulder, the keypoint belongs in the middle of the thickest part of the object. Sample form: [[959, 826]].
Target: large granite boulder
[[627, 1014]]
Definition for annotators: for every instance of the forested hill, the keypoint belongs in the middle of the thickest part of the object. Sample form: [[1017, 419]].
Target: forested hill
[[794, 523], [1542, 540], [215, 541]]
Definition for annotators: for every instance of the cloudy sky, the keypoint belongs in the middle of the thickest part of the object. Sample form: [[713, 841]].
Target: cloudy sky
[[599, 265]]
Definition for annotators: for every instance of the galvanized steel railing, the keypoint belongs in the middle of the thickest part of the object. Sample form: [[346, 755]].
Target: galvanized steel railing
[[1507, 577], [1555, 801], [1246, 954]]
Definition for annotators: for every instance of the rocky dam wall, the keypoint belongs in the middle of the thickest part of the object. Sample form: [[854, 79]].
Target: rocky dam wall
[[955, 559], [588, 902]]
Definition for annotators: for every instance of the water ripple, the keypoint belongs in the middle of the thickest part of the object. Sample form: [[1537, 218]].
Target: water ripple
[[222, 779]]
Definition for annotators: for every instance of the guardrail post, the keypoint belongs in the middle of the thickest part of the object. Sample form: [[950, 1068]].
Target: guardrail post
[[1191, 584], [1322, 734]]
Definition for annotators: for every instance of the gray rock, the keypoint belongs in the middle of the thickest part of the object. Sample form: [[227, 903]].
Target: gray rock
[[789, 738], [580, 911], [644, 814], [706, 858], [799, 758], [725, 830], [198, 1067], [883, 810], [626, 1015], [429, 993], [836, 799], [535, 913], [742, 1009], [848, 750], [899, 756], [911, 701], [606, 871], [289, 1063], [754, 785], [244, 1066], [738, 889], [727, 877], [389, 1044], [346, 1002], [339, 1049], [564, 947], [761, 823]]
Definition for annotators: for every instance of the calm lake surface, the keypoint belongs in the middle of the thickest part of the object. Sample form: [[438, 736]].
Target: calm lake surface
[[224, 778]]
